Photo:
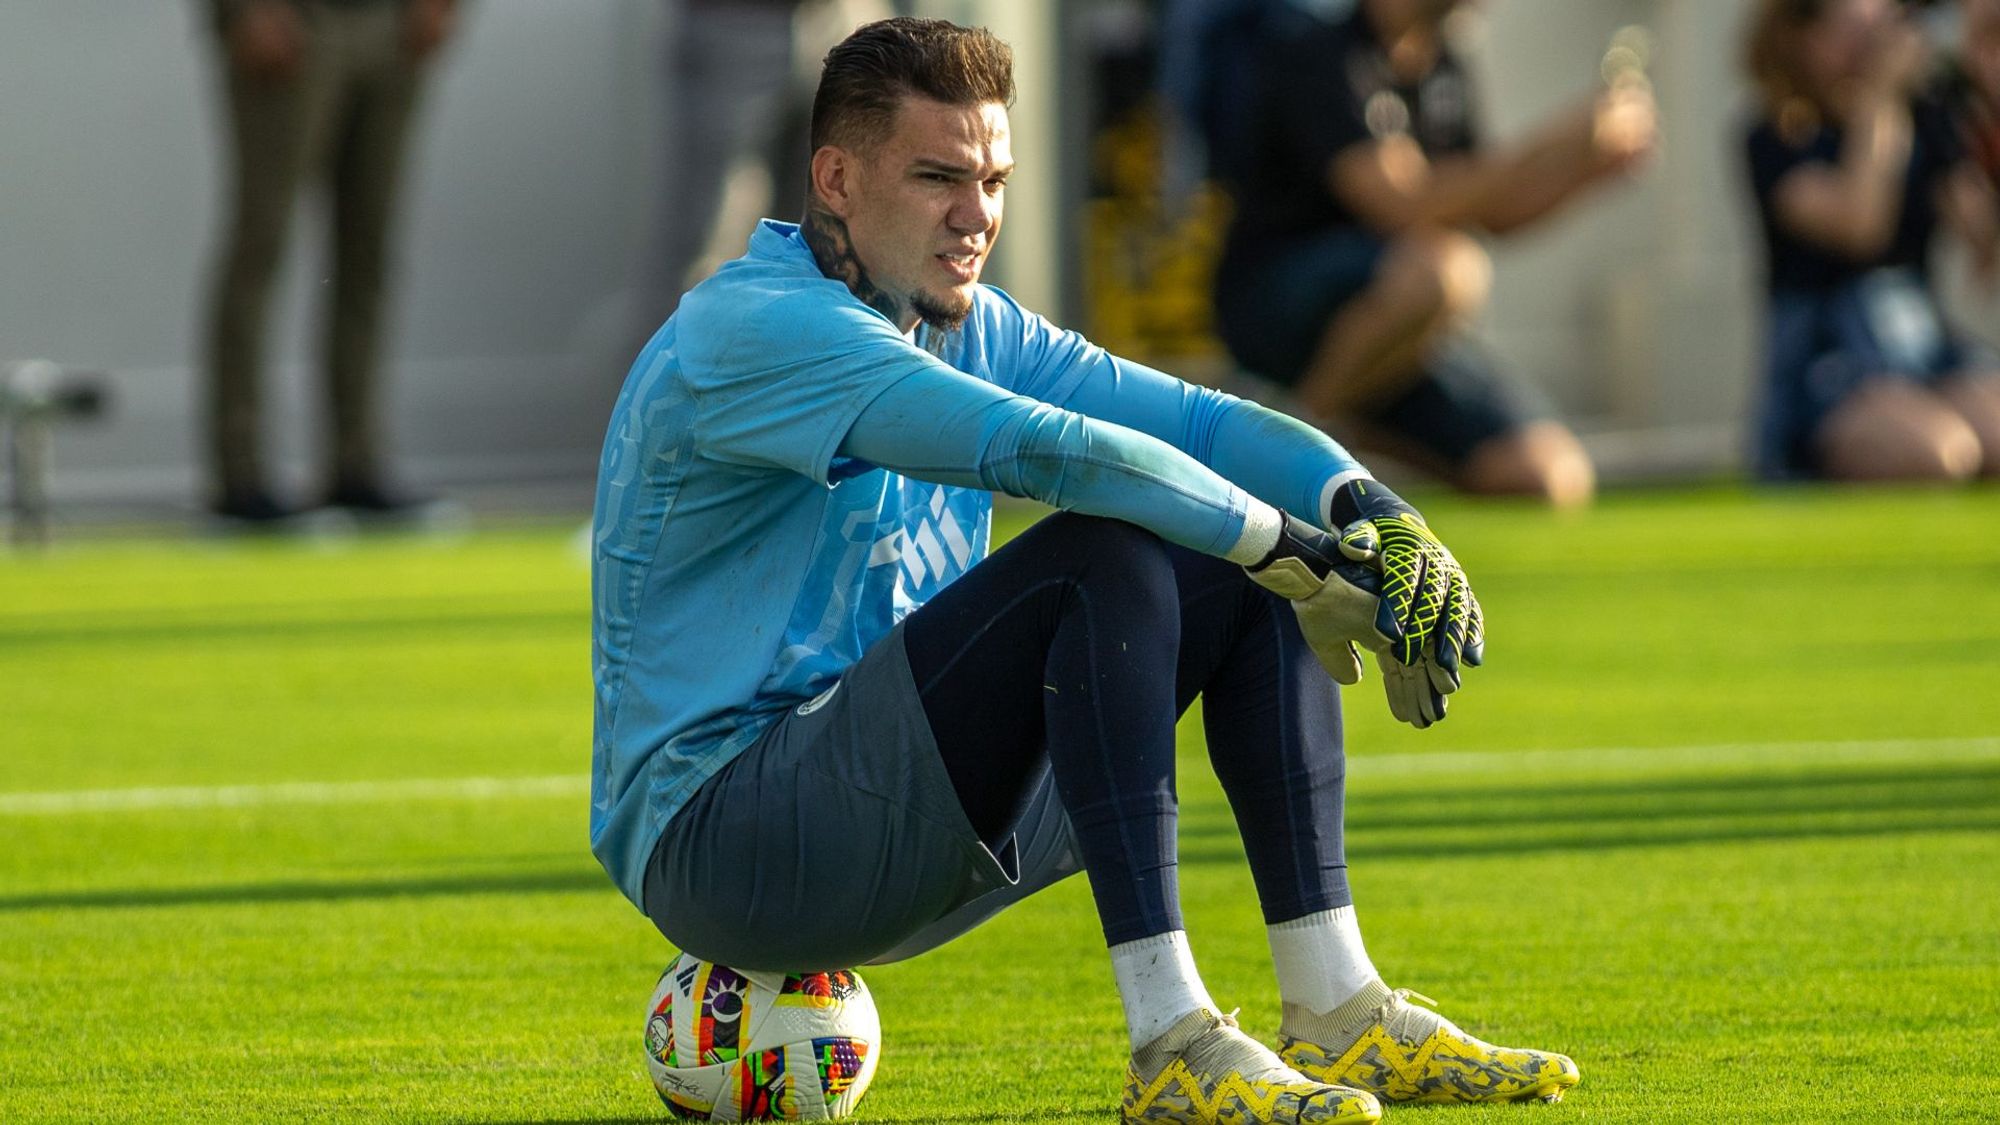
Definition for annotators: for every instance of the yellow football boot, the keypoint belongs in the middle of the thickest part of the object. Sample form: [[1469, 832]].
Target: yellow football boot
[[1382, 1043], [1204, 1071]]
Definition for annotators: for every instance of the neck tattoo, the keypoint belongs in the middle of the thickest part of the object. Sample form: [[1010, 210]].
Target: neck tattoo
[[826, 235]]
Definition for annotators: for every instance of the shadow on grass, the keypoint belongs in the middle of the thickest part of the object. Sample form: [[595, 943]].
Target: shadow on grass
[[1101, 1113], [1479, 818], [112, 898], [966, 1117], [1483, 804], [1744, 833], [1406, 825], [656, 1120]]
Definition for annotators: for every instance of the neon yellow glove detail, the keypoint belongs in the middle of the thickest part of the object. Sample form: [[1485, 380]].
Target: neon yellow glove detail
[[1429, 626]]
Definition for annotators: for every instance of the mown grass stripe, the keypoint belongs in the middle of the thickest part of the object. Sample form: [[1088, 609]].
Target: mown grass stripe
[[290, 793], [1622, 759]]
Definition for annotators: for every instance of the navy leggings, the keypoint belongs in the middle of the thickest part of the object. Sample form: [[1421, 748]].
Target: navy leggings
[[1079, 644]]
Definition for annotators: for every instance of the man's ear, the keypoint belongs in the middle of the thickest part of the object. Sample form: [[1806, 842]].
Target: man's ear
[[833, 178]]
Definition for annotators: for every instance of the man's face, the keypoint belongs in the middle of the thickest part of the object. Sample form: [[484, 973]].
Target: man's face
[[923, 206]]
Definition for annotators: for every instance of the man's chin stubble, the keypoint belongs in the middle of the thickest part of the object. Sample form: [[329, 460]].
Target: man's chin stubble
[[946, 314]]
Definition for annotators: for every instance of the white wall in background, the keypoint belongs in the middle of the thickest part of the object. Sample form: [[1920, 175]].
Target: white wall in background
[[528, 197], [531, 196]]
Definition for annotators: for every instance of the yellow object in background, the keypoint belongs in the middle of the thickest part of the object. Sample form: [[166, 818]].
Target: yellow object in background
[[1148, 269]]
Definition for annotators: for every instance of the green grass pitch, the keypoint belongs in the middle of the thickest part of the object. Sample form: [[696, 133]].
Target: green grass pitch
[[1720, 818]]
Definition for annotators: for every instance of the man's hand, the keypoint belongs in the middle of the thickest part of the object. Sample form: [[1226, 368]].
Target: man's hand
[[428, 24], [1428, 617], [1624, 121], [1624, 127], [1336, 598], [1338, 602], [267, 40]]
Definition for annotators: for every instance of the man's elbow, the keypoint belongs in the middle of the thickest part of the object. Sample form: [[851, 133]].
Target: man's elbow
[[1390, 216], [1502, 222], [1024, 453], [1858, 229], [1861, 240]]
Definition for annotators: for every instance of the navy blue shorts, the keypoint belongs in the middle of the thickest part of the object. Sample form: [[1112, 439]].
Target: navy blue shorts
[[1824, 344], [1273, 308]]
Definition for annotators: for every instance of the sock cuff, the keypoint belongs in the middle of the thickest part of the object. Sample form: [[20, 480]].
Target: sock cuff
[[1315, 919], [1336, 1030], [1150, 1059], [1157, 941]]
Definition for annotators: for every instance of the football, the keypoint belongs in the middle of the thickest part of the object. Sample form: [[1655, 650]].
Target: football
[[722, 1046]]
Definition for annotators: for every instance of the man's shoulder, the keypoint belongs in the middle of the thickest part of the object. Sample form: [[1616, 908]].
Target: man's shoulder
[[744, 287], [769, 297], [993, 308], [998, 327]]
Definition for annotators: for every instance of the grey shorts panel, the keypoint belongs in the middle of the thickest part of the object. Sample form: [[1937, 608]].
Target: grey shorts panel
[[835, 839], [1044, 850]]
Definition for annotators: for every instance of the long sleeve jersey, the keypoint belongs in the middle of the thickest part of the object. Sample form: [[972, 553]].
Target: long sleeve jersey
[[787, 475]]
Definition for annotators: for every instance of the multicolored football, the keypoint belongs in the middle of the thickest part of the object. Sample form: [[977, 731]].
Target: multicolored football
[[723, 1047]]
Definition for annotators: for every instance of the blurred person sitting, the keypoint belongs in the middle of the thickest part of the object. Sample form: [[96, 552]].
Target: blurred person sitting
[[1971, 86], [317, 91], [1351, 266], [1853, 174]]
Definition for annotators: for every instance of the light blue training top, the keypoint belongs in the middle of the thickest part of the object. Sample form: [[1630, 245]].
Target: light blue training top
[[787, 476]]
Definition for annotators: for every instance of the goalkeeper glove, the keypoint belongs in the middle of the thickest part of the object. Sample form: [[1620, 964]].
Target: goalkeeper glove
[[1335, 597], [1428, 616], [1337, 603]]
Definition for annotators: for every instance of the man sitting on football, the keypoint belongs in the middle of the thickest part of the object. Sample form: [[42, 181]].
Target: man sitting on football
[[831, 731]]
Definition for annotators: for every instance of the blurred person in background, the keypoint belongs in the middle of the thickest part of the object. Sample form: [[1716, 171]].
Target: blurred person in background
[[1854, 173], [317, 92], [1972, 85], [1352, 264], [739, 77]]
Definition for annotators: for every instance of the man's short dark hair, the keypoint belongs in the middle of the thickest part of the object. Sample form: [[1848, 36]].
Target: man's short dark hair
[[870, 73]]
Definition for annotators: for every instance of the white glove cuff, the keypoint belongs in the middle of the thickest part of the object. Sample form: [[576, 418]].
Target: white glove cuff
[[1262, 525]]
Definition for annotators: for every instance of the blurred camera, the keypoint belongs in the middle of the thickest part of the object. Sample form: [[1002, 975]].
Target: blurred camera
[[40, 389]]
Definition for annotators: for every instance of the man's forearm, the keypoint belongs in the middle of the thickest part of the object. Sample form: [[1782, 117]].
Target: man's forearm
[[1277, 458], [949, 428], [1540, 175], [1496, 191], [1394, 187]]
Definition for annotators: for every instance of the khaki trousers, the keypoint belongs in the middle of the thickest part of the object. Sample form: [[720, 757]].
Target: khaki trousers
[[342, 122]]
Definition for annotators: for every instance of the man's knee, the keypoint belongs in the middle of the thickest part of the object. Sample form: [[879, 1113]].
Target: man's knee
[[1096, 541], [1437, 273], [1119, 568], [1543, 461]]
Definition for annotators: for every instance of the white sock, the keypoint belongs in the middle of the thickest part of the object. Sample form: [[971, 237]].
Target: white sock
[[1320, 959], [1158, 983]]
